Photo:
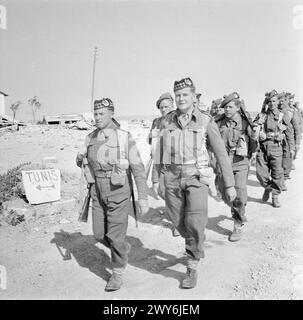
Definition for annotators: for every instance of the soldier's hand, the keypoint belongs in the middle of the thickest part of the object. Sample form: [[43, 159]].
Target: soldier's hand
[[143, 207], [231, 194]]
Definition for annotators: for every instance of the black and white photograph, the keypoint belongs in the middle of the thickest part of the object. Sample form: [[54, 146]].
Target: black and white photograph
[[151, 150]]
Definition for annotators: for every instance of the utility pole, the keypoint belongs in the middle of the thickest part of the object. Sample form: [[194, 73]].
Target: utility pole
[[93, 80]]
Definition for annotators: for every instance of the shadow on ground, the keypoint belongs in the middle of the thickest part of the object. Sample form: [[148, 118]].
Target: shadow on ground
[[82, 248], [213, 224]]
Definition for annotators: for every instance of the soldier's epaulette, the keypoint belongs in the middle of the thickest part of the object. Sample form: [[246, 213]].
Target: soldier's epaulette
[[92, 133]]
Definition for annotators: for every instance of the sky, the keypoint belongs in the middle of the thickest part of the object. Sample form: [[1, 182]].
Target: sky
[[47, 50]]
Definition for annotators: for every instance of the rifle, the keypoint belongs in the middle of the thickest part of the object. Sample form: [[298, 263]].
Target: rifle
[[148, 167], [133, 197], [83, 213], [115, 122], [246, 115], [252, 125]]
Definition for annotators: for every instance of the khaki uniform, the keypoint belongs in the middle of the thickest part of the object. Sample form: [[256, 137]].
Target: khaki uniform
[[238, 139], [182, 158], [112, 154], [274, 129], [152, 138], [295, 121]]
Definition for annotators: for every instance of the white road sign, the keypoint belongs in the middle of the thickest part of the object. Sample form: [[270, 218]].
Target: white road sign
[[42, 185]]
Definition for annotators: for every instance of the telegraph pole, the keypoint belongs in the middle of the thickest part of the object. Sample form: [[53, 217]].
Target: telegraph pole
[[93, 79]]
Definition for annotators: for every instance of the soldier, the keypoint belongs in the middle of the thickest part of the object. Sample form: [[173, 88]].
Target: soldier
[[297, 114], [112, 156], [240, 142], [183, 158], [165, 104], [293, 117], [215, 112], [273, 125], [202, 106]]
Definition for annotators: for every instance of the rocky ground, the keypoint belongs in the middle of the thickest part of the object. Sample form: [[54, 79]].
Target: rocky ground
[[50, 255]]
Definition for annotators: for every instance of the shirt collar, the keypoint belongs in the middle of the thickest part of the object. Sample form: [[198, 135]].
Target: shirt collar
[[191, 112]]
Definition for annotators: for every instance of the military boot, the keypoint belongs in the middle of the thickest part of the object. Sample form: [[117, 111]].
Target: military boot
[[191, 277], [275, 202], [115, 282], [237, 232], [266, 194]]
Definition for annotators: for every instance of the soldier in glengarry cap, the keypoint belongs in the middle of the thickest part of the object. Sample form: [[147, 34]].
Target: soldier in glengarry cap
[[182, 157]]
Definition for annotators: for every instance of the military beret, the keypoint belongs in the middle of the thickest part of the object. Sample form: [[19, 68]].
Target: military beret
[[104, 103], [184, 83], [164, 96], [230, 97], [282, 95], [216, 102], [271, 94]]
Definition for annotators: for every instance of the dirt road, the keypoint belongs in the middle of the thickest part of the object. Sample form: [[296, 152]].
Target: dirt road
[[52, 256]]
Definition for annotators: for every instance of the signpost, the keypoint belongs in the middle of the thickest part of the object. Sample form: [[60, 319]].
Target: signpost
[[42, 185]]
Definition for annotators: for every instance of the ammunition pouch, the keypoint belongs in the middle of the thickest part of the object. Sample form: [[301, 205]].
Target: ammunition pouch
[[119, 172], [241, 149]]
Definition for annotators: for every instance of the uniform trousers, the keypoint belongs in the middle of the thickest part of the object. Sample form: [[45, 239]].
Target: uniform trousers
[[110, 217]]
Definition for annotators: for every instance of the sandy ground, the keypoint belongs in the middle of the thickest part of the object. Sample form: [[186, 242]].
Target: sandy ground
[[53, 256]]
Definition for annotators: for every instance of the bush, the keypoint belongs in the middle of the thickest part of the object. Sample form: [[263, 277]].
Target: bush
[[11, 184]]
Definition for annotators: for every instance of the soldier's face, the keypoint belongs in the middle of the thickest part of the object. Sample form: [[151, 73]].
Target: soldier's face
[[184, 99], [165, 106], [102, 117], [273, 103], [230, 109]]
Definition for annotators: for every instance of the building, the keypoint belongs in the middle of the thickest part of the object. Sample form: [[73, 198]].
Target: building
[[2, 102]]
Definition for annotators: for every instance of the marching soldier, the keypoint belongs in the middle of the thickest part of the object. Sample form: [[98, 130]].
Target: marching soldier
[[112, 156], [165, 104], [297, 114], [240, 142], [288, 154], [183, 159], [215, 112], [199, 103], [273, 126]]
